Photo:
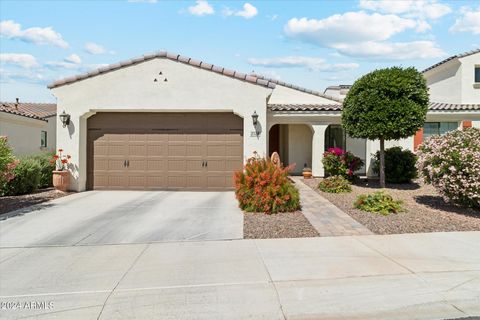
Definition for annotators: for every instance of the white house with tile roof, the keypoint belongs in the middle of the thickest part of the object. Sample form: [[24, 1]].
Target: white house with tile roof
[[165, 121], [29, 127]]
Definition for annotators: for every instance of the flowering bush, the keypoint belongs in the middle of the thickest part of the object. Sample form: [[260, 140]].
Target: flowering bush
[[60, 160], [335, 184], [338, 162], [451, 163], [264, 187], [7, 162]]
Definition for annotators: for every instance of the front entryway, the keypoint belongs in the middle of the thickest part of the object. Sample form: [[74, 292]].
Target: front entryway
[[160, 151]]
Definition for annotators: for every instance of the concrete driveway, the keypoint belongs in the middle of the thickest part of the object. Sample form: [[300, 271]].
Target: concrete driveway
[[121, 217]]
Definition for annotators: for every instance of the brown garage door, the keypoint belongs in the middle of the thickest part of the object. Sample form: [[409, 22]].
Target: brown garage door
[[154, 151]]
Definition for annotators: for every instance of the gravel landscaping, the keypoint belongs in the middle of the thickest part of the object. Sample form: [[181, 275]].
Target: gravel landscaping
[[11, 203], [425, 209], [279, 225]]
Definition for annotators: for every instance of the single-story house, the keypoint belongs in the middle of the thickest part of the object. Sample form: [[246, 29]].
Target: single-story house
[[29, 127], [166, 121]]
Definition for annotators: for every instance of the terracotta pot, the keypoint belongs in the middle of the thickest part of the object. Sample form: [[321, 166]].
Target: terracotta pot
[[307, 174], [61, 180]]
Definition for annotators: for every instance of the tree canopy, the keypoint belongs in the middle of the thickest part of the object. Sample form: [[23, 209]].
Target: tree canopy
[[387, 104]]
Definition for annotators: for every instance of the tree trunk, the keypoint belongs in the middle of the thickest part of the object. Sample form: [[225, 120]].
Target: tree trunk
[[382, 163]]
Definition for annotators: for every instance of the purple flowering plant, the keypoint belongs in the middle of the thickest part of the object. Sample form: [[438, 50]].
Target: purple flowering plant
[[338, 162]]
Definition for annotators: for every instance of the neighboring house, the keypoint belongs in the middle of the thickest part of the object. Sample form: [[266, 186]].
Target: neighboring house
[[454, 81], [30, 127], [338, 92], [165, 121]]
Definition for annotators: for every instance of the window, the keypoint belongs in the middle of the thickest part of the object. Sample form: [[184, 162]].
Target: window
[[477, 74], [43, 139], [438, 128], [335, 137]]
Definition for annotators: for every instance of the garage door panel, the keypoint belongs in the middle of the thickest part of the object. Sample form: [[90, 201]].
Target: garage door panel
[[156, 150], [156, 182], [164, 150], [178, 164], [116, 181], [194, 165], [232, 165], [156, 165], [216, 150], [177, 182], [233, 151], [216, 165], [115, 165]]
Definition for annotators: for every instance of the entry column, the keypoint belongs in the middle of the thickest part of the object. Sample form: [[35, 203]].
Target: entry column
[[318, 148]]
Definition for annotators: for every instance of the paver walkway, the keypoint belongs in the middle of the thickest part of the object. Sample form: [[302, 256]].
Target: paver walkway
[[326, 218]]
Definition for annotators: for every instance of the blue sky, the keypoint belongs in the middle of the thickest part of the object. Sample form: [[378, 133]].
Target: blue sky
[[309, 43]]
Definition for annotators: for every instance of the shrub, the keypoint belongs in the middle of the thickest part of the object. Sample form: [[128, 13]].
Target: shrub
[[46, 164], [378, 202], [451, 163], [264, 187], [399, 165], [338, 162], [7, 162], [26, 180], [335, 184]]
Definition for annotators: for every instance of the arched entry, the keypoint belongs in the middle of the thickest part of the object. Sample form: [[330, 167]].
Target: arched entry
[[293, 142]]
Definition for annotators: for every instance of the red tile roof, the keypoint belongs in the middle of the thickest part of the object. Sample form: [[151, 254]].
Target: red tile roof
[[38, 111], [433, 106], [165, 55]]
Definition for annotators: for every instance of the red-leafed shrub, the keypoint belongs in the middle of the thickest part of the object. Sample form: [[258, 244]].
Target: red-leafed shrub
[[264, 187]]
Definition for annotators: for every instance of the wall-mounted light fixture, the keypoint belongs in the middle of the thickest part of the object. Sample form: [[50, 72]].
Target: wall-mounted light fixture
[[255, 118], [65, 118]]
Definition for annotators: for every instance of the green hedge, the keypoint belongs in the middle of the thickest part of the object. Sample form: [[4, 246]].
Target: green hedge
[[32, 172]]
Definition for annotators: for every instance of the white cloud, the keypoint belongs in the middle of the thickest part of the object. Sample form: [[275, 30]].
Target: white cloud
[[248, 11], [391, 50], [423, 26], [19, 59], [469, 21], [423, 9], [7, 76], [350, 26], [94, 48], [201, 8], [272, 17], [311, 63], [73, 58], [12, 30]]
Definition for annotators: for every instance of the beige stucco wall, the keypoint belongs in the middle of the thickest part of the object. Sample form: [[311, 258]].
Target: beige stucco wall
[[454, 81], [24, 133], [444, 82], [470, 90], [133, 89], [299, 146]]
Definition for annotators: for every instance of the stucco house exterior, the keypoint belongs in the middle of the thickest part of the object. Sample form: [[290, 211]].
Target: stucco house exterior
[[165, 121], [29, 127]]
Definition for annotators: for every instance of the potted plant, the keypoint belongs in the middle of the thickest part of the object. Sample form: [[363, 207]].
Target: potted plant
[[307, 172], [61, 175]]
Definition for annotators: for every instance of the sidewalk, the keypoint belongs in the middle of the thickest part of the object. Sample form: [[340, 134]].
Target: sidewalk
[[395, 277], [325, 217]]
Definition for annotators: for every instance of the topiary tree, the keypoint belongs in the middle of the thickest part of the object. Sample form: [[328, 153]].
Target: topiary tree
[[386, 104]]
